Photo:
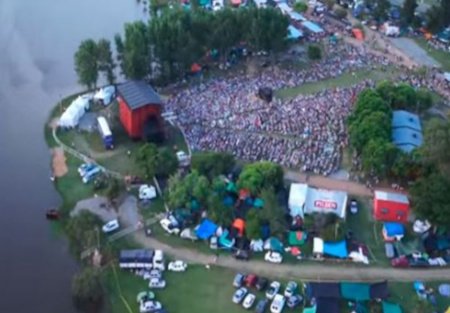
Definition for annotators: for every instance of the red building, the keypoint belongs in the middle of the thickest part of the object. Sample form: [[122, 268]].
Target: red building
[[390, 207], [139, 109]]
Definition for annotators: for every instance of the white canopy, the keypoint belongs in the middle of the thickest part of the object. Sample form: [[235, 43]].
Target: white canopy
[[105, 94], [71, 117], [297, 199]]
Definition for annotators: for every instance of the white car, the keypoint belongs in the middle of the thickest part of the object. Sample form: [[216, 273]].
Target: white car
[[273, 289], [149, 306], [147, 192], [291, 289], [157, 283], [239, 295], [277, 304], [169, 227], [273, 257], [110, 226], [152, 274], [248, 301], [353, 207], [177, 266]]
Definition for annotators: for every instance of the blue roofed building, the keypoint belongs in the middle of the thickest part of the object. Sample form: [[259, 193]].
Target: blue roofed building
[[406, 130]]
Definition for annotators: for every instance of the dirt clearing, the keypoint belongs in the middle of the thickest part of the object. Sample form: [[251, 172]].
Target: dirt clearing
[[59, 165]]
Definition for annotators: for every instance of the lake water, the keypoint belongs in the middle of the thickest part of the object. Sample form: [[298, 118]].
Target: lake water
[[37, 43]]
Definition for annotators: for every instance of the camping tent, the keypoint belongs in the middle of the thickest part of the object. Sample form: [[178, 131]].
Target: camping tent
[[239, 225], [273, 244], [358, 34], [391, 307], [324, 290], [105, 94], [72, 115], [297, 238], [355, 291], [258, 203], [225, 241], [297, 199], [206, 229], [333, 249], [393, 231], [310, 310]]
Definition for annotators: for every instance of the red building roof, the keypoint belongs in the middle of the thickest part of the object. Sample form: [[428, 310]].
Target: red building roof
[[137, 93], [390, 206]]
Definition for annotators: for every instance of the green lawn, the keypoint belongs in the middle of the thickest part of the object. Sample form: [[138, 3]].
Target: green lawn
[[441, 56], [345, 80]]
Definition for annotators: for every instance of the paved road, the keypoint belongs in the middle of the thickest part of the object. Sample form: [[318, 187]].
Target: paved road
[[313, 272]]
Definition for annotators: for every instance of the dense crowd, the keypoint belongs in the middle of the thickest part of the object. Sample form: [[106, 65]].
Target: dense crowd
[[306, 132]]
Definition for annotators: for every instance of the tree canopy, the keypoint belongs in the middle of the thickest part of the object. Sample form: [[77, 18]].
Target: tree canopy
[[212, 164], [86, 63], [87, 290], [408, 10], [182, 190], [438, 16], [436, 146], [260, 175]]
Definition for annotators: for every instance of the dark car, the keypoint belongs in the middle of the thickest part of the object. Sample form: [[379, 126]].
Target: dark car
[[250, 280], [261, 283], [238, 279], [241, 255], [261, 306], [294, 301]]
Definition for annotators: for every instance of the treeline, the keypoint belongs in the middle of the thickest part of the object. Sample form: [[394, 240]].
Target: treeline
[[164, 49], [370, 129]]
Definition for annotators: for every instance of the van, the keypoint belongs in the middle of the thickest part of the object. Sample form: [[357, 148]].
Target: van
[[105, 132]]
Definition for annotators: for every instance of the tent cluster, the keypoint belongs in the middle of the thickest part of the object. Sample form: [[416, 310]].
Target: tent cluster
[[340, 250], [326, 297], [75, 111]]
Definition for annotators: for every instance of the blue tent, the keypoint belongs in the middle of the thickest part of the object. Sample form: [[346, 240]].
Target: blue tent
[[206, 229], [336, 249], [228, 201], [265, 231], [226, 242], [394, 229]]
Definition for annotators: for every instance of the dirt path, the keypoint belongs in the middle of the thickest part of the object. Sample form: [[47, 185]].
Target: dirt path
[[59, 166], [314, 272]]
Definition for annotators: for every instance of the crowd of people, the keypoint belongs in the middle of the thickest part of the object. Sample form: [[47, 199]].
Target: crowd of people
[[306, 132]]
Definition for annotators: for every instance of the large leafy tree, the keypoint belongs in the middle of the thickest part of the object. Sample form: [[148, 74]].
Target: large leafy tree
[[87, 290], [375, 125], [147, 159], [408, 10], [82, 232], [167, 162], [183, 190], [86, 63], [212, 164], [272, 213], [260, 175], [252, 225], [431, 198], [378, 156], [436, 147], [106, 63], [217, 211]]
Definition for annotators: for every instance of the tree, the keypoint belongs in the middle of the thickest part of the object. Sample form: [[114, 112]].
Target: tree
[[135, 55], [113, 190], [147, 159], [314, 52], [408, 11], [272, 212], [217, 211], [183, 190], [252, 225], [373, 126], [404, 98], [86, 65], [106, 63], [378, 156], [167, 162], [431, 198], [87, 290], [424, 100], [260, 175], [82, 232], [300, 7], [436, 146], [212, 164]]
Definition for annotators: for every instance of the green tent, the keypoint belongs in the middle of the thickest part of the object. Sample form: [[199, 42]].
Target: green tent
[[276, 244], [258, 203], [231, 187], [355, 291], [195, 205], [391, 308], [297, 238], [309, 310]]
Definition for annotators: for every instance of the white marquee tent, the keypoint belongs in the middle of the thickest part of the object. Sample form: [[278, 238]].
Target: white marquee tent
[[72, 115]]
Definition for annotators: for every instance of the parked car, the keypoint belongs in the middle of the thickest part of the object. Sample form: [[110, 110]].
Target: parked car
[[273, 257], [241, 255], [273, 289], [149, 306], [261, 306], [169, 226], [157, 283], [261, 283], [294, 301], [248, 301], [277, 304], [152, 274], [85, 167], [87, 177], [144, 296], [291, 289], [238, 280], [177, 266], [239, 295], [213, 243], [110, 226], [250, 280], [353, 206]]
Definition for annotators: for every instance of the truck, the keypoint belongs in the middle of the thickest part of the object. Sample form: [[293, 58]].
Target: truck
[[138, 259], [105, 132]]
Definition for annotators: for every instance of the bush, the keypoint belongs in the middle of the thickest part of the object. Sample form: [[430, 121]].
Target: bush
[[314, 52], [300, 7], [340, 13], [87, 291]]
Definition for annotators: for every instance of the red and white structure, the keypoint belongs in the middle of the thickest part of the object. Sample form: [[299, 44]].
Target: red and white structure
[[390, 206]]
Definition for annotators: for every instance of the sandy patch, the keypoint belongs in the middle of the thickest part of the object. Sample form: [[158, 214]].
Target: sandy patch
[[59, 162]]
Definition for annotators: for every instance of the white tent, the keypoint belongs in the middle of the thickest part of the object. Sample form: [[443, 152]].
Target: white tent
[[72, 115], [297, 199], [105, 94]]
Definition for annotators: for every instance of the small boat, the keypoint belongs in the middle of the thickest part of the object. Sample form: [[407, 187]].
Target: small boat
[[52, 214]]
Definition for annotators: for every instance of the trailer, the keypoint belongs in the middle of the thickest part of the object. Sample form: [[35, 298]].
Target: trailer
[[142, 259], [105, 132]]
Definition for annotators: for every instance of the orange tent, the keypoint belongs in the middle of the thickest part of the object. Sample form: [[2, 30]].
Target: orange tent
[[239, 224], [358, 34], [244, 194]]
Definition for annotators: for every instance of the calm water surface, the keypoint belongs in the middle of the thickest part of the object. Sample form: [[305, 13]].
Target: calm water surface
[[37, 42]]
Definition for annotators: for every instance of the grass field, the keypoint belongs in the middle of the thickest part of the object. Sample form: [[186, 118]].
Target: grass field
[[345, 80], [441, 56]]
